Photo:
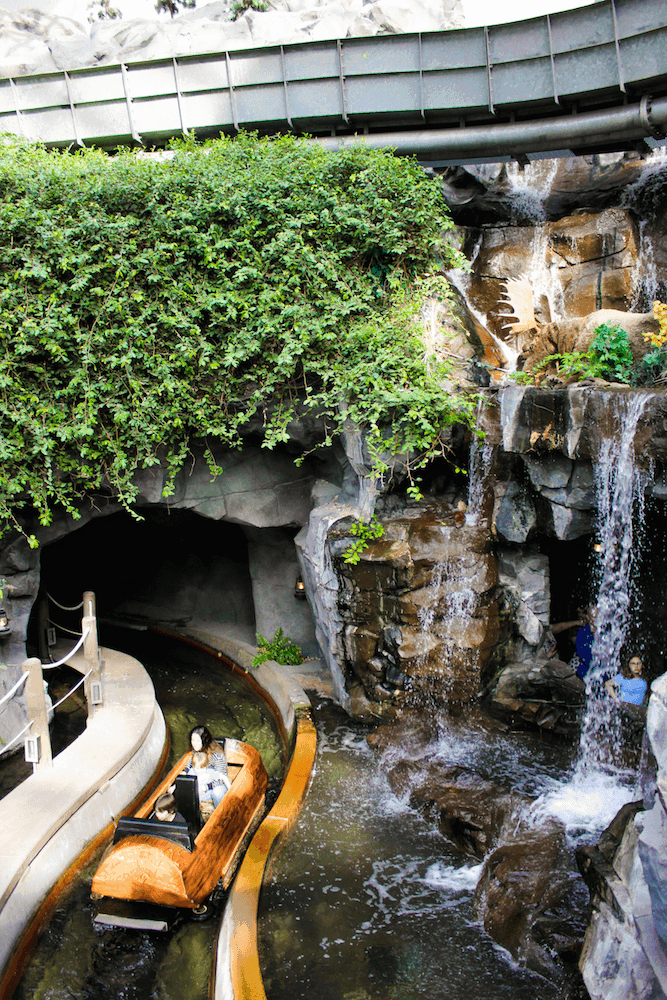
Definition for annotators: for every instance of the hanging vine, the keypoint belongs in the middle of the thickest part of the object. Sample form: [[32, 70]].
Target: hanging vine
[[145, 303]]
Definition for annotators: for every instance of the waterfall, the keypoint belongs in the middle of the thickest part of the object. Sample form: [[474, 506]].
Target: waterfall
[[620, 487], [598, 786], [479, 466], [530, 186], [645, 282]]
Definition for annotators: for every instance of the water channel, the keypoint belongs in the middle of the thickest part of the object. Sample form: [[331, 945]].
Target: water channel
[[75, 959]]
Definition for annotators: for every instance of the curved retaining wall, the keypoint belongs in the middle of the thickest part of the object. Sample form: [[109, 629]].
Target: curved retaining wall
[[58, 816]]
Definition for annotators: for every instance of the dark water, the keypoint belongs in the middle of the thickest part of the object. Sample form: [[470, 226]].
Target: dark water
[[367, 900], [74, 959]]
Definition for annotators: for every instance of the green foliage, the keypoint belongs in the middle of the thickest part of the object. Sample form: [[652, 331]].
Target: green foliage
[[280, 649], [364, 533], [145, 303], [610, 348], [609, 357], [171, 6], [241, 6], [101, 10]]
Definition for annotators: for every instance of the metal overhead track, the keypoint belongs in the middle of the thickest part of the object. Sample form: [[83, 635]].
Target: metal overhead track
[[589, 79]]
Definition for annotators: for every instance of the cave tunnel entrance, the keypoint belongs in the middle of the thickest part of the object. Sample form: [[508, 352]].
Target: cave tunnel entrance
[[171, 568]]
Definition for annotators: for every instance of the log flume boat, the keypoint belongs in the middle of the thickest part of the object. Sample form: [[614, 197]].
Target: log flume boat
[[155, 873]]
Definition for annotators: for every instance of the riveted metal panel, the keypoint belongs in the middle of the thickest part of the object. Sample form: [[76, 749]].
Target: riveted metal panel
[[311, 62], [257, 105], [578, 29], [151, 81], [458, 91], [53, 125], [516, 82], [205, 73], [644, 56], [10, 123], [6, 97], [380, 94], [263, 66], [515, 42], [385, 54], [584, 72], [160, 114], [100, 121], [318, 97], [41, 91], [92, 85], [635, 16], [454, 49], [208, 110]]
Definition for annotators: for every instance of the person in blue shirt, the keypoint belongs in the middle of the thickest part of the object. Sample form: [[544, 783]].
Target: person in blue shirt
[[584, 642], [629, 686]]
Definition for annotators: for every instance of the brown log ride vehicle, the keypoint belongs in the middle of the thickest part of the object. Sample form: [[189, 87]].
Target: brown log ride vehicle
[[156, 872]]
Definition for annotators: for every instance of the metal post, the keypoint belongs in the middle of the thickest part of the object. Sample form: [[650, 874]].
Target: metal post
[[91, 654], [37, 711]]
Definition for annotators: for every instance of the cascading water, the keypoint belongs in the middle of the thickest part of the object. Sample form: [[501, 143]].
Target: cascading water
[[646, 285], [599, 786], [621, 486], [479, 465], [530, 186]]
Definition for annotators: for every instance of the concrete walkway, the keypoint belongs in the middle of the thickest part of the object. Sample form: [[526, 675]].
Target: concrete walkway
[[58, 812]]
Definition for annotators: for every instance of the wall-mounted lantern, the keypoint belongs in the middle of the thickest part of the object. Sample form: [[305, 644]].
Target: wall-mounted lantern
[[5, 627], [299, 589]]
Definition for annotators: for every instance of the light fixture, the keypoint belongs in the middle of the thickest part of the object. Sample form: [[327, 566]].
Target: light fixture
[[299, 589], [597, 547], [5, 627]]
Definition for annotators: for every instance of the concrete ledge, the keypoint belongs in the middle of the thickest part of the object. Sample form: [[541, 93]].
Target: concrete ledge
[[49, 820]]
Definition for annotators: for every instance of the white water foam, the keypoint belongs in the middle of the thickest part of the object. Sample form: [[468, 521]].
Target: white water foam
[[586, 804], [453, 879]]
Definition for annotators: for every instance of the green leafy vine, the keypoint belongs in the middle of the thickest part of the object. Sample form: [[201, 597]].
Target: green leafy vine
[[147, 303]]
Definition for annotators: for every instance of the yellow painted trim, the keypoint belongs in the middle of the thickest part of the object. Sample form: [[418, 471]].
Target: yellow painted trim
[[246, 975]]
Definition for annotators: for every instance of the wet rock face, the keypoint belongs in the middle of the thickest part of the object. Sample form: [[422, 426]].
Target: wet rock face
[[419, 607], [489, 192], [589, 258], [575, 422]]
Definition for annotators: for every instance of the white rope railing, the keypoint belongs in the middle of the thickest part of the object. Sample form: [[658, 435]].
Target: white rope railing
[[63, 607], [62, 628], [18, 736], [59, 663], [78, 684], [10, 694]]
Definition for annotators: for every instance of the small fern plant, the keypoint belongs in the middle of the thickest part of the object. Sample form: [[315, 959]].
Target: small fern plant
[[280, 649]]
